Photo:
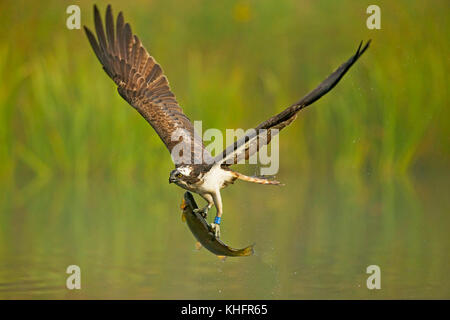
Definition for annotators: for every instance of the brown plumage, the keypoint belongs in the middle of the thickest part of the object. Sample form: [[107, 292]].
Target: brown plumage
[[142, 83]]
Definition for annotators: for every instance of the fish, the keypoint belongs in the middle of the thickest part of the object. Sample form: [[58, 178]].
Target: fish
[[204, 233]]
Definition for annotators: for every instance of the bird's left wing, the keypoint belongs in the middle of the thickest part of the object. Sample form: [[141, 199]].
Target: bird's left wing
[[141, 82], [248, 145]]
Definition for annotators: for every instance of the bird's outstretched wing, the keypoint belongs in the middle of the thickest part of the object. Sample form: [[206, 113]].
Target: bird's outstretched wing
[[141, 82], [246, 146]]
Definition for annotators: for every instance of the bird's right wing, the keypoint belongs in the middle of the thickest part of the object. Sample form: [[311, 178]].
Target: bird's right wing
[[246, 146], [141, 82]]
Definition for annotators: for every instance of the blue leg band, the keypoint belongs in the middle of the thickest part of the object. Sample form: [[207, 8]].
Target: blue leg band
[[217, 220]]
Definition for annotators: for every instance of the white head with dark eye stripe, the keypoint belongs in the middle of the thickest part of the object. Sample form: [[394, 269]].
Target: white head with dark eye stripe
[[182, 176]]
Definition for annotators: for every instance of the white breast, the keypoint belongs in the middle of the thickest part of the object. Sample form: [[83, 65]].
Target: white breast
[[215, 179]]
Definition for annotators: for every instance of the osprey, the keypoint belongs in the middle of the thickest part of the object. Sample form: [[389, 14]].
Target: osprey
[[142, 83]]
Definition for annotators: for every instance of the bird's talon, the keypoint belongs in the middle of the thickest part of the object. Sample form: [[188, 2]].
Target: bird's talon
[[203, 212], [216, 229]]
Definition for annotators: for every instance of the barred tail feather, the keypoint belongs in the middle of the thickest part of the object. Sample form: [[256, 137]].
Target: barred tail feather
[[259, 180]]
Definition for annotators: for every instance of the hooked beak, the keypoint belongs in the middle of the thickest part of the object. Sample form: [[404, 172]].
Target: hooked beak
[[172, 180]]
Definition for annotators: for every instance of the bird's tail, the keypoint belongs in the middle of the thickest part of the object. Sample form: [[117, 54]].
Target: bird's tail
[[260, 180]]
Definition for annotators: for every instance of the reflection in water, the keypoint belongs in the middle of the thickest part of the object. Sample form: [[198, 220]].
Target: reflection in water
[[314, 239]]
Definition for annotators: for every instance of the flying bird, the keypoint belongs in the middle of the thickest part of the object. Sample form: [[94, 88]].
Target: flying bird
[[142, 83]]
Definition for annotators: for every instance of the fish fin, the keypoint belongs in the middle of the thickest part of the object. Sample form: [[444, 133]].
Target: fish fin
[[183, 204], [183, 217], [222, 258], [198, 245]]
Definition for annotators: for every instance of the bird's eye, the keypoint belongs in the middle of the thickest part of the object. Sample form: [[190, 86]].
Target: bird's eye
[[179, 175]]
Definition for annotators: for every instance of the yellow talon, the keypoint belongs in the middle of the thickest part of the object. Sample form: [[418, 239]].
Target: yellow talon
[[183, 204]]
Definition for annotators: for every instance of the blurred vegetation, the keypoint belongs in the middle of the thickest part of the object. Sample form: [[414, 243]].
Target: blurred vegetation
[[83, 176], [231, 64]]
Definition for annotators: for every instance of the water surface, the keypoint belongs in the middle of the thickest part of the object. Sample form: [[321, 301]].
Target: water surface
[[314, 239]]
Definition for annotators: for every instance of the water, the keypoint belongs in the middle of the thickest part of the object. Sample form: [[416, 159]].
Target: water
[[314, 239]]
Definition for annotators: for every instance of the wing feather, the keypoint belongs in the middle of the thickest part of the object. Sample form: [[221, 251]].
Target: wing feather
[[141, 82], [263, 133]]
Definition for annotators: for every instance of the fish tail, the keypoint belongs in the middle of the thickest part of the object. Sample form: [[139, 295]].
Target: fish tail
[[248, 251]]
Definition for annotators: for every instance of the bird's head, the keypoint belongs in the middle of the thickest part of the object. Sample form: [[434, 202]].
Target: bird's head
[[181, 176]]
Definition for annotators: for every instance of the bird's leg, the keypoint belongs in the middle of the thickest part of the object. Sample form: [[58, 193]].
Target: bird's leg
[[204, 211], [218, 203]]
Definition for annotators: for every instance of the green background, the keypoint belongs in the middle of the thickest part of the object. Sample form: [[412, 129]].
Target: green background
[[83, 178]]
